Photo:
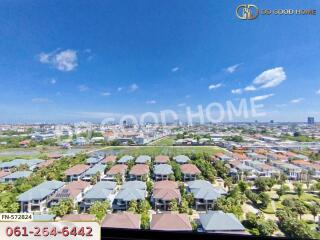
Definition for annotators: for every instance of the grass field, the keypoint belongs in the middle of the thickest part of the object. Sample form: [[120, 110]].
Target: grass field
[[166, 150], [166, 141]]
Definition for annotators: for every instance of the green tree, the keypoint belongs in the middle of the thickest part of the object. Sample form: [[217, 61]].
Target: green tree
[[314, 210], [64, 207], [264, 200], [99, 209], [299, 189], [173, 205], [184, 206], [145, 220], [133, 206]]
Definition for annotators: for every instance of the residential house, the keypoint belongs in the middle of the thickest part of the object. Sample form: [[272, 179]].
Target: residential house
[[312, 168], [190, 172], [139, 172], [74, 190], [109, 159], [125, 159], [143, 159], [102, 191], [204, 193], [164, 192], [161, 159], [15, 176], [242, 171], [181, 159], [76, 172], [221, 156], [130, 191], [162, 172], [118, 170], [96, 170], [170, 222], [220, 222], [94, 160], [30, 163], [36, 198], [257, 157], [263, 170], [125, 220], [292, 171]]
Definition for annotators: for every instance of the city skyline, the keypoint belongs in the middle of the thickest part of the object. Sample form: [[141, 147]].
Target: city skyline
[[67, 63]]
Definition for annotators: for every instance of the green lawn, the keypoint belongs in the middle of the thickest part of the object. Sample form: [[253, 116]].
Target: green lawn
[[166, 150], [305, 197], [166, 141]]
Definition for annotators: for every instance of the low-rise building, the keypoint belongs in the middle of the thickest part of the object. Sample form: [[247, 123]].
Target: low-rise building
[[125, 220], [76, 172], [190, 172], [118, 170], [204, 194], [170, 222], [139, 172], [164, 192], [36, 198], [161, 159], [220, 222], [102, 191], [162, 172]]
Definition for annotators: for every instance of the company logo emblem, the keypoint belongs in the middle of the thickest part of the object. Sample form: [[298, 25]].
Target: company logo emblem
[[247, 11]]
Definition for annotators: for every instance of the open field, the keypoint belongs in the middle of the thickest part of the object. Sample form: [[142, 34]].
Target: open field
[[166, 141], [156, 150]]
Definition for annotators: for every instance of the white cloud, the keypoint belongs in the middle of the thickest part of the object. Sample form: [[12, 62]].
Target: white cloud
[[181, 104], [40, 100], [297, 100], [83, 88], [151, 102], [262, 97], [188, 96], [236, 91], [214, 86], [119, 89], [233, 68], [270, 78], [175, 69], [250, 88], [318, 92], [133, 87], [105, 94], [53, 81], [66, 60]]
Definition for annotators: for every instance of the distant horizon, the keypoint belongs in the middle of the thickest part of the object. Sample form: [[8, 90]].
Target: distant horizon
[[117, 57]]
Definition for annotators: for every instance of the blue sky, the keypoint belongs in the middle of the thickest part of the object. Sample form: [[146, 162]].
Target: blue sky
[[84, 60]]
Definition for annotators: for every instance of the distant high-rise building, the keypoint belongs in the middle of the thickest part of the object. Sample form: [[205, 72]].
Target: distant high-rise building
[[310, 120], [271, 121]]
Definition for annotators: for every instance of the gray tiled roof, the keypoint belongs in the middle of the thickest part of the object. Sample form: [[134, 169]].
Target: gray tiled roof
[[93, 160], [125, 159], [143, 159], [95, 169], [130, 194], [181, 159], [41, 191], [134, 184], [202, 189], [163, 169], [101, 190], [18, 162], [220, 221], [18, 174]]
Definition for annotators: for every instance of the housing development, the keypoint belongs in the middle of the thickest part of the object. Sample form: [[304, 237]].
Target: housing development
[[245, 178]]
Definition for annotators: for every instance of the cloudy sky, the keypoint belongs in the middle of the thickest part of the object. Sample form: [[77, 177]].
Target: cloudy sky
[[62, 61]]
